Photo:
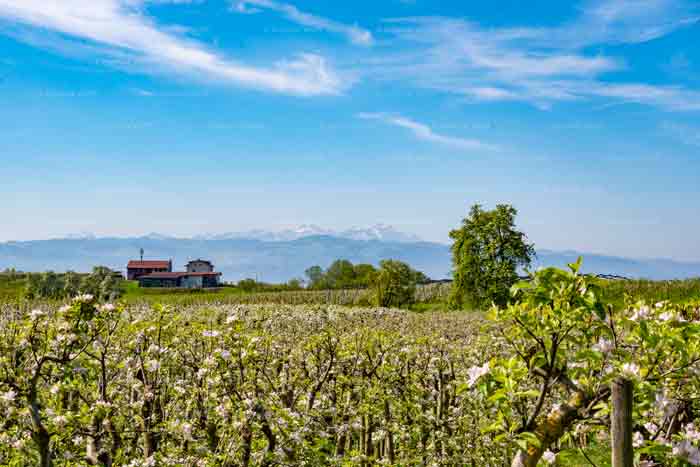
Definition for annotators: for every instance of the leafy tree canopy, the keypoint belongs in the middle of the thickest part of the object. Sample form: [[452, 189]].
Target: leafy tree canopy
[[487, 251]]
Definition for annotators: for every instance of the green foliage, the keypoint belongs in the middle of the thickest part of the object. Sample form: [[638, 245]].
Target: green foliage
[[395, 284], [102, 283], [253, 286], [12, 285], [487, 252], [617, 292], [567, 346], [341, 274]]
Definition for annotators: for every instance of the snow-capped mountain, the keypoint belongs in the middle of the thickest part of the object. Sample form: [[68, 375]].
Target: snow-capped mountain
[[379, 232]]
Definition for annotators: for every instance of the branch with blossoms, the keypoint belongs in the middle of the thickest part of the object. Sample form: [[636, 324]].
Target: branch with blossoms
[[568, 348]]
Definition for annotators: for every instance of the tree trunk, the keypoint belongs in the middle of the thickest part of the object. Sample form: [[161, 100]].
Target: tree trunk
[[40, 435]]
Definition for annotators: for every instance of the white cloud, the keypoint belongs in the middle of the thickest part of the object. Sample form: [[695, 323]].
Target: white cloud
[[539, 65], [120, 28], [354, 33], [425, 133]]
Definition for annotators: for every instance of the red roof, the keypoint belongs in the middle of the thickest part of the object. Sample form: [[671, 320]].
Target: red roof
[[148, 264]]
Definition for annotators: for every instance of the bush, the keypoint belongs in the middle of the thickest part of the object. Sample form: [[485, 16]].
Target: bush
[[395, 284]]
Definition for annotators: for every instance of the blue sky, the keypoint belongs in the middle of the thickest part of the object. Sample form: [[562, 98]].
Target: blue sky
[[124, 117]]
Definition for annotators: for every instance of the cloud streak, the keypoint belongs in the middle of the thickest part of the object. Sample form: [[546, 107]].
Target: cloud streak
[[121, 30], [538, 65], [425, 133], [353, 33]]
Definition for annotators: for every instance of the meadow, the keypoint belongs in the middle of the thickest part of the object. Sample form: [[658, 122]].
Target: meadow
[[278, 378]]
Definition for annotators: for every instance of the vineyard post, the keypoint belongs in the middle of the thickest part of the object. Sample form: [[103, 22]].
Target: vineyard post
[[621, 423]]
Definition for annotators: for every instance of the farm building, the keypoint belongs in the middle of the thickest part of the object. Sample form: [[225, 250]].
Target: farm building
[[199, 265], [136, 269], [181, 280], [199, 274]]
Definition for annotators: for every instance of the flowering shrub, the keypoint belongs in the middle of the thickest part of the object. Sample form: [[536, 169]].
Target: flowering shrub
[[239, 385], [567, 347], [231, 385]]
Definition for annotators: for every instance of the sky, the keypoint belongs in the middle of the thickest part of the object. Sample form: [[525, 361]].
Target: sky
[[123, 117]]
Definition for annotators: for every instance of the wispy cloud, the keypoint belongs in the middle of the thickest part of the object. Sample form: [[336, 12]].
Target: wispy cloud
[[353, 33], [120, 29], [539, 65], [425, 133], [686, 134]]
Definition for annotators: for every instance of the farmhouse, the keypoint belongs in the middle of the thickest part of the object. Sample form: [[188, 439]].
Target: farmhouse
[[137, 269], [199, 265], [199, 274]]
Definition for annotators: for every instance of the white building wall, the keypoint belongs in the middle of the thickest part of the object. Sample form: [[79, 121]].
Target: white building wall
[[199, 266]]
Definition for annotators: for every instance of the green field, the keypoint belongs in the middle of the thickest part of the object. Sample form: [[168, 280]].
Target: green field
[[431, 297]]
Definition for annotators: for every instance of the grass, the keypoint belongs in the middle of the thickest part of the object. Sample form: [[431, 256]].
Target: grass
[[11, 287], [430, 298], [677, 291]]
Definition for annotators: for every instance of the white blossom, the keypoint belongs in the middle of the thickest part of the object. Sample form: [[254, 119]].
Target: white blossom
[[549, 457], [641, 313], [60, 420], [651, 427], [476, 372], [9, 396], [685, 450], [604, 345], [637, 439], [83, 298], [35, 314], [630, 370], [211, 333], [691, 432]]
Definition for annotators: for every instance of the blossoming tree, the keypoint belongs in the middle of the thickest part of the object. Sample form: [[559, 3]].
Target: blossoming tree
[[567, 347]]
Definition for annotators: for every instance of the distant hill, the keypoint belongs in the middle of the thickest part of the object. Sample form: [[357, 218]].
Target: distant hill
[[280, 260]]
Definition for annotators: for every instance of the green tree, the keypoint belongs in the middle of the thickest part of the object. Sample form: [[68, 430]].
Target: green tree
[[71, 284], [316, 277], [486, 254], [248, 285], [340, 274], [395, 284], [364, 275]]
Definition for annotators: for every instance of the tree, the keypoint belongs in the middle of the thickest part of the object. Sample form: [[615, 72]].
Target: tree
[[566, 350], [340, 274], [248, 285], [71, 286], [395, 284], [315, 276], [364, 274], [486, 254]]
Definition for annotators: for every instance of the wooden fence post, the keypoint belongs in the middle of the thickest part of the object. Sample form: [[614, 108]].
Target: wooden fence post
[[621, 423]]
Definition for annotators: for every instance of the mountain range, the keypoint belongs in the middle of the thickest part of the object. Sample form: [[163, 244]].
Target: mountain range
[[280, 256]]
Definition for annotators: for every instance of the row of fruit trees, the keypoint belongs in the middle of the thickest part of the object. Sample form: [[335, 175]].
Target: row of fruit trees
[[100, 384]]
